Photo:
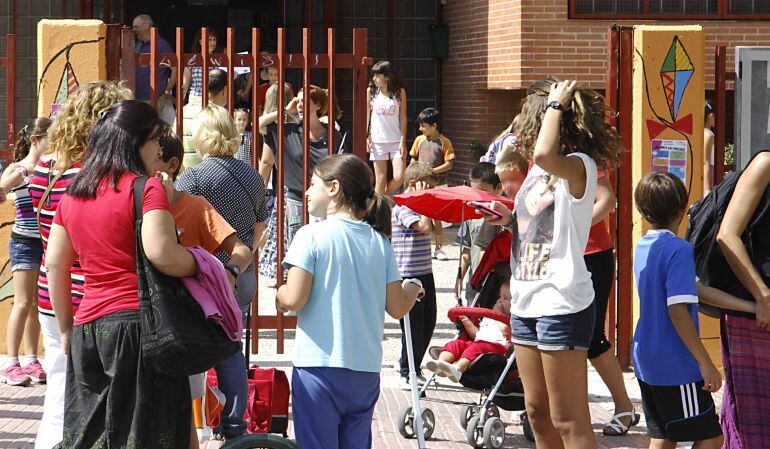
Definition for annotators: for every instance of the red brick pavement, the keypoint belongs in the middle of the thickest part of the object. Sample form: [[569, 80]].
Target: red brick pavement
[[21, 408]]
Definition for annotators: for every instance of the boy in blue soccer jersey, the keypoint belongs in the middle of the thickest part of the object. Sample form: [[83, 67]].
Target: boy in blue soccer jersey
[[674, 370]]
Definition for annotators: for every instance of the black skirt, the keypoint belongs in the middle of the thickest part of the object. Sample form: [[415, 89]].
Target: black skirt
[[112, 399]]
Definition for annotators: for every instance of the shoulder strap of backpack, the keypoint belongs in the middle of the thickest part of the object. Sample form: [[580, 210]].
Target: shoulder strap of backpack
[[47, 193]]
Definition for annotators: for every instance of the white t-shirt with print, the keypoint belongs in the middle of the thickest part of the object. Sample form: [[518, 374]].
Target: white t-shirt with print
[[549, 276]]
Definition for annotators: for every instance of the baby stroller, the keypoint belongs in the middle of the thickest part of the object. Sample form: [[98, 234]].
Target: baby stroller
[[493, 377]]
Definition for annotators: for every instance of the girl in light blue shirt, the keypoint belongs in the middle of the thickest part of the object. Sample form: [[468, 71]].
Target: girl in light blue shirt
[[342, 278]]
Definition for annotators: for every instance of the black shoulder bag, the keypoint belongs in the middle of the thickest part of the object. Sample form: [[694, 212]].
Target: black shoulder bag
[[177, 340]]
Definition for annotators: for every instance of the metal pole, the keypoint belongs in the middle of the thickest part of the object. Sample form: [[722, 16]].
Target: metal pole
[[255, 136], [416, 408], [278, 187], [180, 67], [230, 67], [10, 81], [306, 88], [359, 92], [154, 67], [611, 99], [332, 100], [204, 67], [720, 103]]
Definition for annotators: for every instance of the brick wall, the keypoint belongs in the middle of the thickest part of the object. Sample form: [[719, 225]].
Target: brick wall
[[498, 47]]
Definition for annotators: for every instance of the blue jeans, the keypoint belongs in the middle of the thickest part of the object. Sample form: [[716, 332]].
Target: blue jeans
[[231, 374], [333, 407]]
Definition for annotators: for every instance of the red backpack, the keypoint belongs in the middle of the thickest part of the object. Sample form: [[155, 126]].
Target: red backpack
[[267, 409]]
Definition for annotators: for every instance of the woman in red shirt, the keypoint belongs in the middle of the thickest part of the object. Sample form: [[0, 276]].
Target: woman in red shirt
[[111, 397]]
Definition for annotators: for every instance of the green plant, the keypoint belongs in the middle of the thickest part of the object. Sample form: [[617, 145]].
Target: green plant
[[729, 154]]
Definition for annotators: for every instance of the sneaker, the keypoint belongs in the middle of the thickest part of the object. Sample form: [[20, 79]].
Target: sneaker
[[450, 371], [403, 383], [34, 370], [14, 376], [433, 366], [439, 254]]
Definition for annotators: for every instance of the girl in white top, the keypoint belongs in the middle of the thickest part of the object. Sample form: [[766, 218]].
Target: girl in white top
[[386, 116], [552, 312]]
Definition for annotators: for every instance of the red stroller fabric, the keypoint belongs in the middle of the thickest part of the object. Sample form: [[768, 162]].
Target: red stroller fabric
[[498, 250]]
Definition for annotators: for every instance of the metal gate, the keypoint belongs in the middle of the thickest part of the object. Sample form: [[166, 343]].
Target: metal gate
[[331, 61]]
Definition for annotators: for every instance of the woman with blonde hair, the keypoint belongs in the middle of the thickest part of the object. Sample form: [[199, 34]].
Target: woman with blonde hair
[[237, 192], [67, 148]]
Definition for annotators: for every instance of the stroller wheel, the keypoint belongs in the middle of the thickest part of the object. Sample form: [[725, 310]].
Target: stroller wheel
[[527, 427], [428, 423], [494, 433], [474, 434], [466, 413], [406, 422]]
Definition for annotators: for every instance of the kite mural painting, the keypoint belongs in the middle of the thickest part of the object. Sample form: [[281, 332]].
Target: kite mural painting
[[68, 83], [675, 73]]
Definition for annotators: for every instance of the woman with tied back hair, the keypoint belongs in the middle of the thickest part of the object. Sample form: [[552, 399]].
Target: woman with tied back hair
[[342, 279], [113, 399], [26, 252], [561, 128], [67, 147]]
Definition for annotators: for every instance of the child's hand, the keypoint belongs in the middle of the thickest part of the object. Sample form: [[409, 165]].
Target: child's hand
[[168, 184], [712, 380], [562, 92], [502, 209], [291, 108]]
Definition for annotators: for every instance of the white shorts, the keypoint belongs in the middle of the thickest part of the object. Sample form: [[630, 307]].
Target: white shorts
[[384, 151]]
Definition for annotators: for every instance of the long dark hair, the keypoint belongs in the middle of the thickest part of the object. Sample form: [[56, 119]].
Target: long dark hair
[[38, 128], [356, 181], [395, 84], [113, 146]]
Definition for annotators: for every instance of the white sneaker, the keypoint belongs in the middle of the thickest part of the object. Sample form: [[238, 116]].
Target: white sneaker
[[439, 254], [404, 384], [432, 365], [450, 371]]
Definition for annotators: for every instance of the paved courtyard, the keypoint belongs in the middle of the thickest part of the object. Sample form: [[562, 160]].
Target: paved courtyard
[[21, 408]]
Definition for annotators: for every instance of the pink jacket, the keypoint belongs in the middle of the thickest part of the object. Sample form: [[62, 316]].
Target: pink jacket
[[211, 289]]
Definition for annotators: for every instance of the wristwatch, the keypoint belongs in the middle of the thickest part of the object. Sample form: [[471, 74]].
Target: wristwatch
[[233, 269], [556, 105]]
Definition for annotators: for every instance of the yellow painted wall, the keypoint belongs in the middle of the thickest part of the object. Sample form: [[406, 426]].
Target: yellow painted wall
[[651, 49], [87, 56]]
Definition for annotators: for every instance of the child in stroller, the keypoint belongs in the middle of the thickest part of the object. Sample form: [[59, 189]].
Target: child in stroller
[[488, 336]]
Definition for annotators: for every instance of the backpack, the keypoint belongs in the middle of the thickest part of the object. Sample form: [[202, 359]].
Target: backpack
[[705, 219], [267, 408]]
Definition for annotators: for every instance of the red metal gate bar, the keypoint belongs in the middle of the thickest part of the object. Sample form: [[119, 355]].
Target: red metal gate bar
[[256, 138], [153, 67], [625, 202], [127, 55], [611, 99], [9, 62], [720, 103], [360, 76], [332, 93], [230, 67], [278, 188], [204, 43], [306, 89], [293, 60], [179, 82]]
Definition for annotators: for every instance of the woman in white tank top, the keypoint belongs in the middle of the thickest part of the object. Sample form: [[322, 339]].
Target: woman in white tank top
[[561, 128], [386, 116]]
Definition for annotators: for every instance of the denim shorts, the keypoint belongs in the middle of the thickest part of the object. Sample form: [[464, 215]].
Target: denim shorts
[[555, 333], [25, 254]]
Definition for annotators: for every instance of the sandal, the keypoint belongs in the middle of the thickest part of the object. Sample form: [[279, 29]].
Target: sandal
[[616, 428]]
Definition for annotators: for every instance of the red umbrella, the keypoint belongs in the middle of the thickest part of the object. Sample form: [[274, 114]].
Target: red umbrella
[[449, 204]]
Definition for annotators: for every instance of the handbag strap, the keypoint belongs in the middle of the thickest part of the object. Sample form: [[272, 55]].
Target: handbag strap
[[47, 193], [232, 175], [139, 184]]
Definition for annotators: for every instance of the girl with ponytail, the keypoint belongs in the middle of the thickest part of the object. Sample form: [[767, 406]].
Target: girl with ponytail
[[26, 252], [342, 278]]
